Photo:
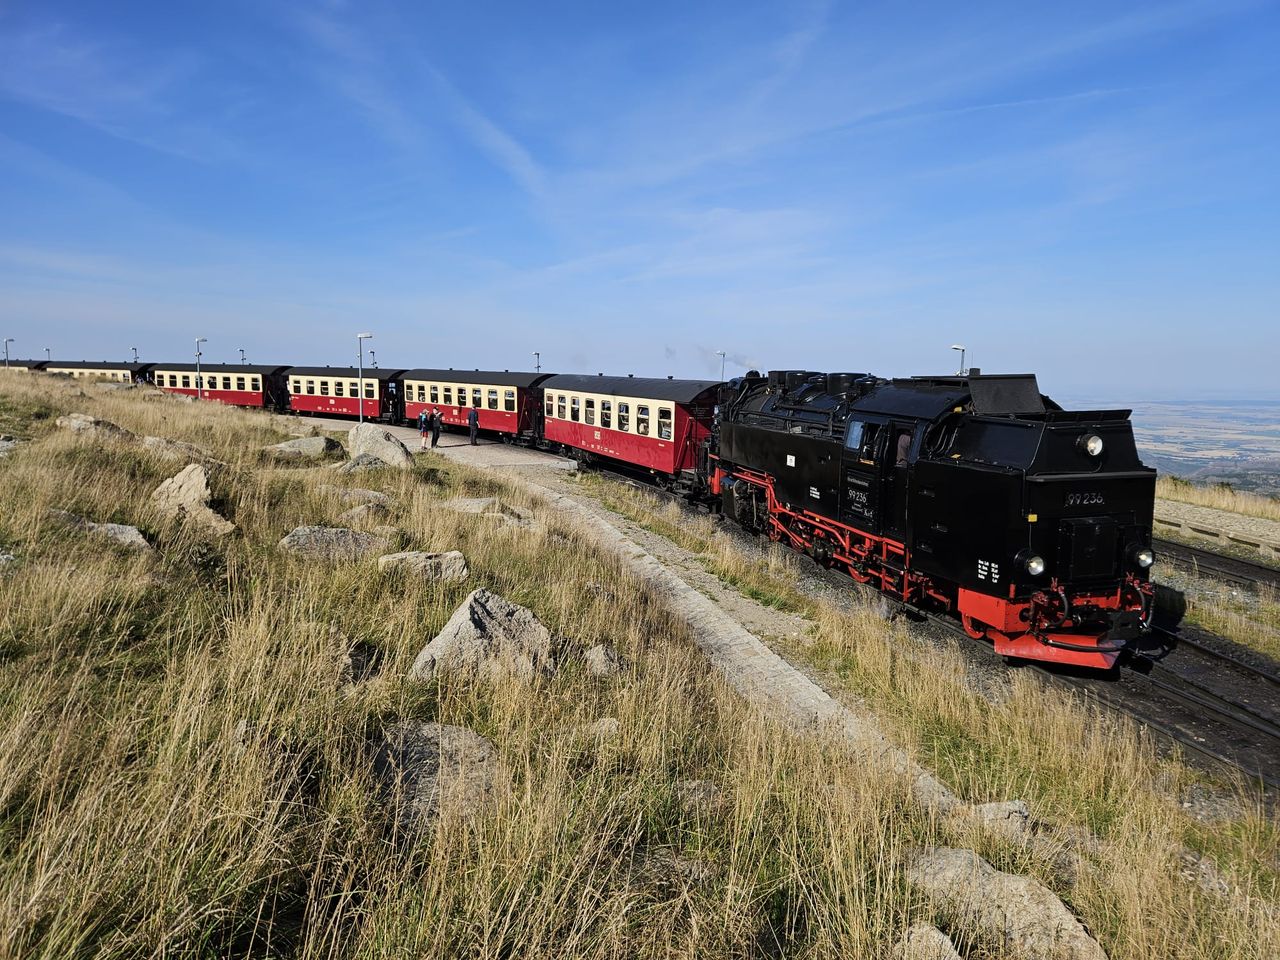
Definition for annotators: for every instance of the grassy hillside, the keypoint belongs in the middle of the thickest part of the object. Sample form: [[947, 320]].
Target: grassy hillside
[[1217, 496], [185, 773]]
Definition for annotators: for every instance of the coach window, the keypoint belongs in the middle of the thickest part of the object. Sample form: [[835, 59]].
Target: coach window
[[311, 386], [642, 421], [339, 388], [324, 388], [624, 417], [591, 413], [477, 397], [509, 400], [368, 390], [493, 399], [462, 396], [448, 396], [606, 414], [551, 405], [239, 383], [664, 424], [435, 393], [186, 380], [255, 384], [575, 409], [560, 402]]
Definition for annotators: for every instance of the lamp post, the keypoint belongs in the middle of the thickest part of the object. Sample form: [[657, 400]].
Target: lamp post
[[242, 360], [199, 382], [135, 354], [48, 355], [537, 362], [720, 354], [360, 339], [960, 347], [7, 341], [373, 358]]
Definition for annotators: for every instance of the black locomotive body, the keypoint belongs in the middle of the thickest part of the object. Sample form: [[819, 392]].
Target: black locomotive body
[[975, 495]]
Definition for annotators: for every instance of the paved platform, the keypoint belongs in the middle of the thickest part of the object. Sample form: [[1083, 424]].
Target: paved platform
[[456, 446]]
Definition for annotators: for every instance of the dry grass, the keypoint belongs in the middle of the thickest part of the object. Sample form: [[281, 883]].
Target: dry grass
[[180, 774], [1254, 623], [1217, 496]]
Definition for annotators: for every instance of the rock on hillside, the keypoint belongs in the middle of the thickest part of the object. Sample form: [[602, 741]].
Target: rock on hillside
[[304, 448], [366, 461], [121, 534], [332, 543], [604, 661], [489, 635], [92, 427], [186, 497], [1019, 916], [447, 567], [428, 767], [924, 941], [373, 440], [179, 451]]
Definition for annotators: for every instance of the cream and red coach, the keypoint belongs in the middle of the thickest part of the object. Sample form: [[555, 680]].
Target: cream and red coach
[[121, 372], [241, 385], [337, 391], [28, 366], [507, 403], [658, 425]]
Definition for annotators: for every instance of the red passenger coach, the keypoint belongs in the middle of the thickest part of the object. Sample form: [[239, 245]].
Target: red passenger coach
[[506, 402], [240, 385], [658, 425], [336, 391]]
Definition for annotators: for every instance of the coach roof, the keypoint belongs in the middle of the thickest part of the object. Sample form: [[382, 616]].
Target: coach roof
[[653, 388], [264, 369], [347, 373], [499, 378], [99, 365]]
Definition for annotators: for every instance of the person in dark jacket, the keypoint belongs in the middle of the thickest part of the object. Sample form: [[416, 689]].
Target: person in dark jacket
[[437, 418], [473, 421], [423, 422]]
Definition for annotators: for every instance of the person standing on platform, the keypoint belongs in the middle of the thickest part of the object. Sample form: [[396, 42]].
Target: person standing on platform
[[437, 418], [473, 421], [423, 420]]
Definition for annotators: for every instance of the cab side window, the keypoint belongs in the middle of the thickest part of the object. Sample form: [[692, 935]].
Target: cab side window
[[862, 439]]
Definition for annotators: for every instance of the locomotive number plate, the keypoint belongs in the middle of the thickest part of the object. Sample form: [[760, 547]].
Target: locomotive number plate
[[1084, 500]]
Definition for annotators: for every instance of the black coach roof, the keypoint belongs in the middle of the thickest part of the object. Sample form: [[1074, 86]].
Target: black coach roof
[[499, 378], [265, 369], [369, 373], [654, 388], [30, 364], [99, 365]]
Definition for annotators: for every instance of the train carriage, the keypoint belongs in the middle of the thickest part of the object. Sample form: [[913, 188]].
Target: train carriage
[[506, 403], [655, 424], [336, 391], [25, 365], [239, 385], [121, 372]]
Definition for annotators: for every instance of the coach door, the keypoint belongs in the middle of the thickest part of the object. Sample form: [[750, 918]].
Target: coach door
[[861, 476]]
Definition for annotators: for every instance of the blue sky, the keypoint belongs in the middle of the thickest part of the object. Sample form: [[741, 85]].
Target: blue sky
[[1087, 190]]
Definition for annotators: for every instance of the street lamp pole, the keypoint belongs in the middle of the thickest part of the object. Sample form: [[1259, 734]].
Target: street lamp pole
[[48, 355], [960, 346], [242, 355], [360, 339], [537, 362], [135, 354], [7, 341], [373, 358], [199, 382], [720, 354]]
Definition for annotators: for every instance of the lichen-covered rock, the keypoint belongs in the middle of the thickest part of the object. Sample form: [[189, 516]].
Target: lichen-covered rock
[[304, 448], [185, 497], [332, 543], [120, 534], [698, 797], [426, 768], [365, 461], [1019, 916], [179, 451], [373, 440], [604, 662], [923, 941], [490, 635], [447, 567], [92, 427]]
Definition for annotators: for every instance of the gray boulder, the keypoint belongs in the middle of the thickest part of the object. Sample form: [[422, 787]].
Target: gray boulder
[[490, 636], [7, 446], [94, 428], [923, 941], [365, 461], [185, 497], [490, 507], [447, 567], [1018, 916], [304, 448], [120, 534], [426, 768], [356, 495], [698, 797], [375, 441], [179, 451], [332, 543], [604, 662]]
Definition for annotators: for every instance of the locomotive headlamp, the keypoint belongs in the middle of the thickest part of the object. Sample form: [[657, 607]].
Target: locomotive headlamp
[[1091, 444], [1144, 557], [1034, 565]]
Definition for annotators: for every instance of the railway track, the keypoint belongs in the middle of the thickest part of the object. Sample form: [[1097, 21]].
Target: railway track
[[1230, 569]]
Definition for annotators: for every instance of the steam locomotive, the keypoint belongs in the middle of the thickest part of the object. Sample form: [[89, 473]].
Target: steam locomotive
[[972, 495]]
